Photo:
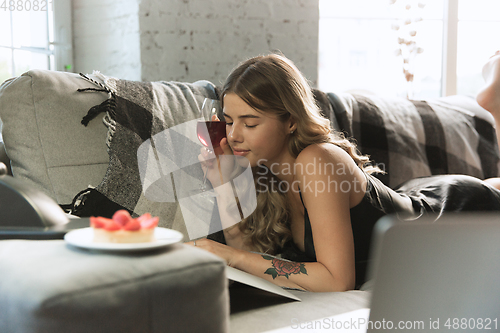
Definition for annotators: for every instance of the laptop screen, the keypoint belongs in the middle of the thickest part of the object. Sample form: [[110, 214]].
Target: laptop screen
[[430, 276]]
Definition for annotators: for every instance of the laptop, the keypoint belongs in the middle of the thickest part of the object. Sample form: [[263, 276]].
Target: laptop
[[436, 276]]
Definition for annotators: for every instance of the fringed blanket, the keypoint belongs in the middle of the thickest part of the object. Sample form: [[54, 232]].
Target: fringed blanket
[[134, 112]]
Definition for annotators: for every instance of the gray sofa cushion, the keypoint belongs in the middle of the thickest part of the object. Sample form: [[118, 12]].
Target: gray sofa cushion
[[48, 146], [48, 286]]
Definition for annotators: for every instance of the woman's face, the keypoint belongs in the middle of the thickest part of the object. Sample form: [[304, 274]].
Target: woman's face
[[261, 138]]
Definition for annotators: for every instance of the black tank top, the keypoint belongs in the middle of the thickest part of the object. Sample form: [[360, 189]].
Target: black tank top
[[379, 200]]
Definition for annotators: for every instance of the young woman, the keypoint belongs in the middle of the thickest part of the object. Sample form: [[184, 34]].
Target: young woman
[[273, 121]]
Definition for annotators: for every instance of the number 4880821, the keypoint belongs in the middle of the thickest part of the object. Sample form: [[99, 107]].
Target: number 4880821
[[472, 323], [26, 5]]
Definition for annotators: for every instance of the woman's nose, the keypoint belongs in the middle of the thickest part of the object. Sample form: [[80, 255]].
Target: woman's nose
[[234, 134]]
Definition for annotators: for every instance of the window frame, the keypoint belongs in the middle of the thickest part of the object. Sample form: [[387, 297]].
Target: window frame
[[59, 49], [63, 35], [450, 49]]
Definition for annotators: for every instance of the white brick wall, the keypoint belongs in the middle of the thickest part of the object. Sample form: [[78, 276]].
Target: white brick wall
[[189, 40], [106, 37]]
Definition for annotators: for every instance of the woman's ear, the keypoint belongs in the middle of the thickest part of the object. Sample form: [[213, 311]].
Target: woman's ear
[[292, 126]]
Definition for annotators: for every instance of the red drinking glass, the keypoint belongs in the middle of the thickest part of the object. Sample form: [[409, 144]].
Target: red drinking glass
[[210, 132]]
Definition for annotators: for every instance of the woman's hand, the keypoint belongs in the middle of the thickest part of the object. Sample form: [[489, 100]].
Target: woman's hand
[[223, 148], [218, 169], [209, 165], [229, 254]]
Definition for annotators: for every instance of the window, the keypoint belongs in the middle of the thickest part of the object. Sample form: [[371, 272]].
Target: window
[[30, 38], [363, 44], [477, 40]]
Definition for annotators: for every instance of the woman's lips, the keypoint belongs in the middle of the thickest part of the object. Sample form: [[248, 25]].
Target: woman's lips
[[240, 152]]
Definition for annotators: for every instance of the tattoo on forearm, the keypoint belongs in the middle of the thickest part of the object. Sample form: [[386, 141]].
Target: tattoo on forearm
[[284, 267]]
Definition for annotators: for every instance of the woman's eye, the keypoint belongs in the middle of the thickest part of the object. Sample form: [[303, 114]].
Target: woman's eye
[[248, 126]]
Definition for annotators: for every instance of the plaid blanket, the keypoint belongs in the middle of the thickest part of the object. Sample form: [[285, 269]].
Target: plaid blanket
[[410, 139]]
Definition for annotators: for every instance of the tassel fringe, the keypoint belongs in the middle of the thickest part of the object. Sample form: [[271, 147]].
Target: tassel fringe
[[108, 106], [96, 83]]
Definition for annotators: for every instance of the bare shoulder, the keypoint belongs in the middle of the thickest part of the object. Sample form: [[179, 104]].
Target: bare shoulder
[[322, 153], [332, 171]]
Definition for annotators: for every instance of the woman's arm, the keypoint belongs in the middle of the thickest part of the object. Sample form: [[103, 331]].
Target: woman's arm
[[334, 186], [311, 276]]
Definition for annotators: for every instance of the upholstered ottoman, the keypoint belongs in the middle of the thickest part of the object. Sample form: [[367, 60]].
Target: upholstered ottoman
[[49, 286]]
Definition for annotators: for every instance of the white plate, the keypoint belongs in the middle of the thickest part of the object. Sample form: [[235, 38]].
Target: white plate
[[84, 238]]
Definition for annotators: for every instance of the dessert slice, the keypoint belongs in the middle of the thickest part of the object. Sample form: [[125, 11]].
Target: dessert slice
[[122, 228]]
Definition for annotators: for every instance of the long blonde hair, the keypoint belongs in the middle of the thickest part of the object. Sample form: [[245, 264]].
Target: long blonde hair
[[272, 84]]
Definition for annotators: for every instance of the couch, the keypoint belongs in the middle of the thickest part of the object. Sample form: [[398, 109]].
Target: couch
[[66, 135]]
